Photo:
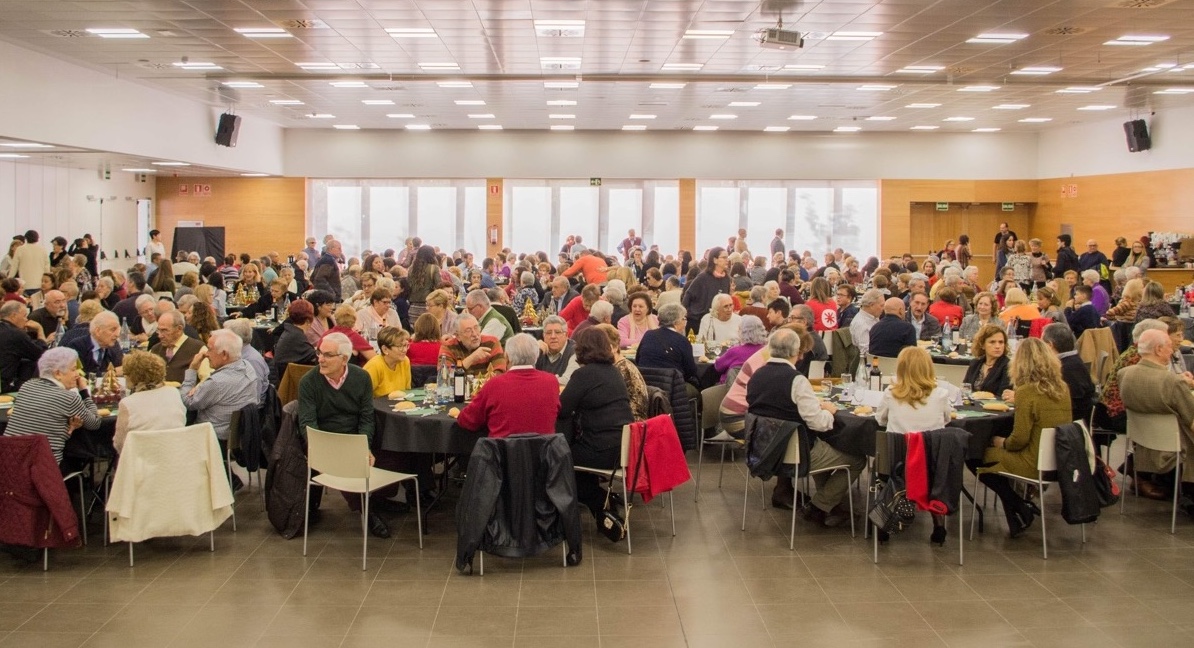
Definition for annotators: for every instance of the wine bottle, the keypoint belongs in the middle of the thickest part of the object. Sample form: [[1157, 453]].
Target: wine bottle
[[875, 382]]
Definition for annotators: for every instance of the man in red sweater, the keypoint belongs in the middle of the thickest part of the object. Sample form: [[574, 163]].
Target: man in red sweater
[[523, 399], [577, 310]]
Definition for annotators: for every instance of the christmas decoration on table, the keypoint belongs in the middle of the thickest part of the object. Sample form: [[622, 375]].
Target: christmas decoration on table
[[529, 317], [108, 389]]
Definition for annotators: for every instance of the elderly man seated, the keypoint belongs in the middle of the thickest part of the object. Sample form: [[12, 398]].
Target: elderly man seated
[[244, 330], [475, 352], [493, 324], [21, 344], [51, 315], [100, 349], [231, 386], [557, 352], [1150, 387], [523, 399], [176, 347], [602, 312], [776, 390]]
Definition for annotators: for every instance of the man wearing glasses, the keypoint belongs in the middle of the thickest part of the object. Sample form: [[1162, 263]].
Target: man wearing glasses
[[476, 352], [339, 398], [557, 353]]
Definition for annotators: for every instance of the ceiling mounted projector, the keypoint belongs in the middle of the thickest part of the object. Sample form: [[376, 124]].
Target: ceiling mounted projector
[[779, 38]]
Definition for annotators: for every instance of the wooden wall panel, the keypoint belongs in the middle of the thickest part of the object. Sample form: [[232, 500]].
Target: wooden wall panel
[[259, 215], [1124, 204]]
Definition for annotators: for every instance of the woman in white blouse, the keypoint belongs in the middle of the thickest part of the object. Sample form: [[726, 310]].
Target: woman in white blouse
[[720, 324], [379, 313], [914, 403], [150, 404]]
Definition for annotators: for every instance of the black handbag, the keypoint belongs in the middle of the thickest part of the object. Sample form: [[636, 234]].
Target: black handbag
[[1105, 484], [892, 511]]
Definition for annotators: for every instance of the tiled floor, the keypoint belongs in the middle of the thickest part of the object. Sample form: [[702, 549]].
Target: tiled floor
[[711, 585]]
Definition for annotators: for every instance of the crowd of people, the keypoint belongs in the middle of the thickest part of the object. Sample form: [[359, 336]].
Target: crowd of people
[[181, 331]]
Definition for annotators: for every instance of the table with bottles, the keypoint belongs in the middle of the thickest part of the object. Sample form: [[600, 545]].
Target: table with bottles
[[427, 427]]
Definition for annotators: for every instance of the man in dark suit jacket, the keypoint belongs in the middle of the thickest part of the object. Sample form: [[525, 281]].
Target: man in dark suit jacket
[[918, 316], [101, 349], [666, 347], [561, 293], [19, 350], [892, 332], [1073, 371], [53, 313], [174, 346]]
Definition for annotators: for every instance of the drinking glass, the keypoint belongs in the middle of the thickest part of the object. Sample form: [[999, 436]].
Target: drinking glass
[[967, 392], [429, 393], [846, 378]]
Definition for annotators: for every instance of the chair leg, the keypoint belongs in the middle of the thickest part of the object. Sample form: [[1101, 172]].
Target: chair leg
[[419, 512], [481, 559], [961, 540], [45, 559], [212, 533], [1044, 531], [792, 532], [626, 499], [107, 487], [83, 509], [564, 545], [974, 508], [671, 502], [866, 503], [745, 500], [130, 553], [1177, 489], [850, 499], [228, 462], [721, 466], [700, 466], [306, 512], [365, 527]]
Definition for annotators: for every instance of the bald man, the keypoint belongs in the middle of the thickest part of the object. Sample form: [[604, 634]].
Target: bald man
[[52, 312], [892, 332]]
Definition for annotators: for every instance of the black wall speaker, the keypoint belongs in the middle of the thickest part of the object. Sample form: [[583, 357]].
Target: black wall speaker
[[1137, 134], [226, 131]]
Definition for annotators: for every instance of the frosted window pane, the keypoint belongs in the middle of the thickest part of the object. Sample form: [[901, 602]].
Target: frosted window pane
[[855, 224], [436, 214], [388, 211], [766, 211], [717, 217], [473, 236], [530, 219], [813, 221], [667, 221], [625, 213], [578, 214], [344, 218]]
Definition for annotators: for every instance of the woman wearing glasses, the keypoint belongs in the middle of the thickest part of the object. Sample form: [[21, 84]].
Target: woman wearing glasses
[[390, 369]]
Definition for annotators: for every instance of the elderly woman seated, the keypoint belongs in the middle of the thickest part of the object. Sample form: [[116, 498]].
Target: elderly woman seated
[[720, 324], [150, 403], [54, 404], [752, 336], [346, 322]]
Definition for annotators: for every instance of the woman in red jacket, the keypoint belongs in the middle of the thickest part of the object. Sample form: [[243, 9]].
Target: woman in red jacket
[[946, 308], [424, 347], [824, 307]]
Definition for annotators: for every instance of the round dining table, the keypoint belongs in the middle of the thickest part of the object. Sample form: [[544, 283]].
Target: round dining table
[[426, 429]]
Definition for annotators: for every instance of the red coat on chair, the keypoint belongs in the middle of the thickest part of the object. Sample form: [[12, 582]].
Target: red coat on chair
[[663, 466], [35, 509]]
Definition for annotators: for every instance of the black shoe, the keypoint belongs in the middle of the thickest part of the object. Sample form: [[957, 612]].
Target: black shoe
[[813, 514], [378, 527], [384, 505], [1018, 522], [779, 501], [938, 537], [237, 484], [883, 536]]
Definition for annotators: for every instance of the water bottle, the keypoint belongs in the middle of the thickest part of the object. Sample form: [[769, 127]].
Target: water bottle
[[58, 333], [860, 379], [443, 380], [947, 336], [125, 342]]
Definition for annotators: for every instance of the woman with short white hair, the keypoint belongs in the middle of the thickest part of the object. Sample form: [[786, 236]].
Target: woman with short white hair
[[1099, 297], [752, 336], [721, 323], [54, 404]]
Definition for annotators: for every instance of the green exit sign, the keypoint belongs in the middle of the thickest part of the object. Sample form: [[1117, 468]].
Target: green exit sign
[[1009, 206], [942, 206], [594, 182]]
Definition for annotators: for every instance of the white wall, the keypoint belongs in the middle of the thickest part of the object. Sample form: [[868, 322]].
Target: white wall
[[728, 155], [52, 101], [53, 201], [1101, 148]]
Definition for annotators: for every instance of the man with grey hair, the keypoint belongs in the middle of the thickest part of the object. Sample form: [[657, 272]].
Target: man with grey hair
[[472, 350], [20, 347], [870, 308], [615, 294], [244, 330], [231, 386], [176, 347], [557, 352], [521, 400], [602, 312], [145, 323], [185, 265], [560, 295], [478, 304], [100, 349], [777, 390]]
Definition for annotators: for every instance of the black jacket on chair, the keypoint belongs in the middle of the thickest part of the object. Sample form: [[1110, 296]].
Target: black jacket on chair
[[671, 381], [767, 441], [1079, 499], [519, 499]]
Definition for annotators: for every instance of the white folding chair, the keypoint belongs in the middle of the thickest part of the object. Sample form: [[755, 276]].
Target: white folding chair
[[342, 461], [816, 369], [792, 456], [1161, 433], [951, 373], [887, 366], [1046, 461], [711, 398], [620, 473]]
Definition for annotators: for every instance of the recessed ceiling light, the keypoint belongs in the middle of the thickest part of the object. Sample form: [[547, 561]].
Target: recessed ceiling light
[[1035, 120], [876, 87], [563, 127], [469, 102], [560, 28], [997, 38], [1174, 91], [704, 128], [642, 116], [170, 164], [958, 119], [197, 66], [254, 175], [262, 32], [1137, 40], [797, 67], [1011, 106], [802, 117], [561, 85], [446, 66], [377, 102], [986, 130], [923, 105], [979, 88], [1098, 107], [481, 116], [561, 116], [634, 127], [847, 129], [723, 116], [12, 156], [559, 62], [400, 116], [853, 36], [773, 86], [667, 86], [561, 102], [744, 104], [348, 84], [418, 127], [242, 84], [454, 84], [140, 170], [920, 69], [321, 116], [116, 33], [489, 127], [346, 127], [880, 118], [682, 66], [32, 145], [318, 66], [924, 128], [1079, 90], [411, 32], [777, 129], [708, 33], [1036, 71], [286, 102]]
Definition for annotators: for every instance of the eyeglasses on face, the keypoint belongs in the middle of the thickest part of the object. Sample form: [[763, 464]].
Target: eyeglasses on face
[[325, 354]]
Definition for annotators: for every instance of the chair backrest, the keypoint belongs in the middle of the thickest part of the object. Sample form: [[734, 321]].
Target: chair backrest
[[952, 374], [711, 398], [887, 366], [1046, 456], [339, 455], [816, 369], [1160, 432], [1101, 366], [624, 456], [288, 386], [827, 338], [792, 452]]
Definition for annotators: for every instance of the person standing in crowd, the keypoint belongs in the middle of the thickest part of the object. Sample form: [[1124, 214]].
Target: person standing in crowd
[[326, 273], [30, 261], [697, 297]]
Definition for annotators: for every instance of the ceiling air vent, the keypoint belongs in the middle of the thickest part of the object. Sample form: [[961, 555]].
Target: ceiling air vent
[[1065, 31], [732, 90], [154, 66], [303, 24], [388, 88], [67, 33], [1140, 4]]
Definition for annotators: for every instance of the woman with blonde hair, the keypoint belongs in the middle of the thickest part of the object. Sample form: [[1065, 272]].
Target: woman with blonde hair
[[1129, 301], [1153, 304], [1021, 264], [1042, 401], [1049, 305], [440, 305], [984, 314], [915, 403], [390, 369], [1016, 307], [150, 403]]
